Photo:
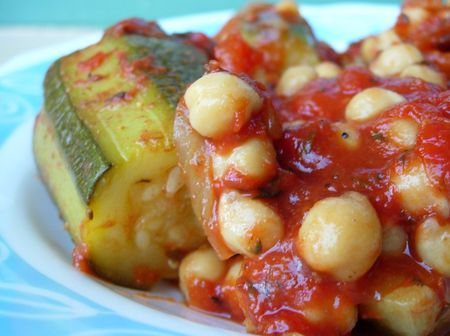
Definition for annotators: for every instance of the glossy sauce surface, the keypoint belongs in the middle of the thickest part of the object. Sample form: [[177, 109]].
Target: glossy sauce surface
[[320, 154], [263, 40], [277, 290], [431, 35]]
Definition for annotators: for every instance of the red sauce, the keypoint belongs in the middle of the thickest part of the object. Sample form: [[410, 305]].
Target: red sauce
[[135, 26], [256, 42], [93, 62], [220, 299], [206, 295], [80, 259], [144, 277], [431, 35], [433, 148], [327, 98], [277, 292], [200, 41], [243, 59]]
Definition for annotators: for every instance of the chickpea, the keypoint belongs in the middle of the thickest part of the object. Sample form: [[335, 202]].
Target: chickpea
[[403, 133], [294, 78], [387, 39], [220, 165], [250, 326], [328, 70], [372, 45], [409, 311], [255, 158], [229, 287], [425, 73], [370, 102], [341, 236], [344, 318], [395, 59], [201, 264], [348, 135], [433, 245], [416, 193], [369, 48], [216, 100], [394, 240], [416, 15], [248, 226], [261, 75], [234, 272]]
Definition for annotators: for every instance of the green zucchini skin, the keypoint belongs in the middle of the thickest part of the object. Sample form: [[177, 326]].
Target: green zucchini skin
[[183, 63], [83, 156], [179, 64]]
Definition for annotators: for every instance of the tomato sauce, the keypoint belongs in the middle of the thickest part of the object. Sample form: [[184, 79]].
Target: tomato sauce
[[432, 147], [277, 292], [327, 98], [430, 35], [93, 62], [259, 43], [145, 277], [135, 26]]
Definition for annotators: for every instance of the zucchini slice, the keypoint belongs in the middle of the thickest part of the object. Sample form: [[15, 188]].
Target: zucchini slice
[[104, 147]]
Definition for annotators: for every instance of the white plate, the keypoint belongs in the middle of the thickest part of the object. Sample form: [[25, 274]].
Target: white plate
[[40, 292]]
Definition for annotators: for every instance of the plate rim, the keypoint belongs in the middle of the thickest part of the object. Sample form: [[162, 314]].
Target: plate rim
[[171, 24]]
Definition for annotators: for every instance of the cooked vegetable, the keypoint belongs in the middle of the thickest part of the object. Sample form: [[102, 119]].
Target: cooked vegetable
[[408, 311], [263, 40], [247, 226], [395, 59], [294, 78], [370, 103], [323, 190], [433, 244], [201, 264], [104, 147], [333, 229], [416, 46], [336, 224], [216, 102], [328, 70]]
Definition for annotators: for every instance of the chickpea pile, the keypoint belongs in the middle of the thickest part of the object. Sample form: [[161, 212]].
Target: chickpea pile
[[324, 193]]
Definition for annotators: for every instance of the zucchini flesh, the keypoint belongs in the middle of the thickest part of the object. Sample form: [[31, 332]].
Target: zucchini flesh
[[106, 132], [56, 176]]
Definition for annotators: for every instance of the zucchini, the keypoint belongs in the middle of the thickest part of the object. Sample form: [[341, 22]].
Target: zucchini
[[103, 145]]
